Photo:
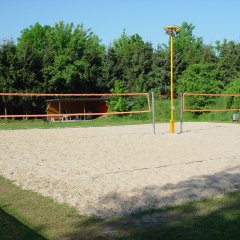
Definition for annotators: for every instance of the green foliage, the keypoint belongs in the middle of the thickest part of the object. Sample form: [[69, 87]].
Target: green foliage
[[233, 88], [189, 49], [126, 103], [228, 60], [129, 59], [189, 46], [65, 58], [76, 59], [8, 73], [59, 59], [71, 59], [200, 78], [118, 104], [159, 76]]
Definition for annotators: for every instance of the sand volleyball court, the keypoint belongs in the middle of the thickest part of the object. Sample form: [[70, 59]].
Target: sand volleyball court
[[117, 170]]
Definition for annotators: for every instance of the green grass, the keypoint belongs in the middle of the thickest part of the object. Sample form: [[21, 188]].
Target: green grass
[[37, 123], [218, 103], [27, 215]]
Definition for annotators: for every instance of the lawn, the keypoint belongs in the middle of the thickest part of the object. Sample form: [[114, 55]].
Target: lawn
[[27, 215], [40, 124]]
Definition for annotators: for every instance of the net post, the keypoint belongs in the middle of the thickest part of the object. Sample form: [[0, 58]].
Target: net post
[[84, 111], [153, 114], [181, 111]]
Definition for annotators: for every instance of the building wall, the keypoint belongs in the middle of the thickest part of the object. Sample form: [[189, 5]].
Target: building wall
[[71, 106]]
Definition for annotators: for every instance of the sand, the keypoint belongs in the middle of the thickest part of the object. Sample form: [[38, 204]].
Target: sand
[[109, 171]]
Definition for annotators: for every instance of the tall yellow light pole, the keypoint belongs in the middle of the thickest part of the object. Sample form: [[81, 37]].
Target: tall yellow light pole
[[171, 31]]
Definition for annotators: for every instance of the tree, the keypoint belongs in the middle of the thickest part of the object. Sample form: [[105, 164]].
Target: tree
[[159, 75], [129, 59], [233, 88], [32, 47], [76, 59], [229, 60], [8, 65], [30, 52], [118, 104], [189, 50], [200, 78], [64, 58]]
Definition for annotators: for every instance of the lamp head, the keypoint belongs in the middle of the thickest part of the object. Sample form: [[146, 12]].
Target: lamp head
[[171, 30]]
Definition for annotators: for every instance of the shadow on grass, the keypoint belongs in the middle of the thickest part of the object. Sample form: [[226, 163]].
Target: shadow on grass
[[194, 221], [217, 218], [11, 228]]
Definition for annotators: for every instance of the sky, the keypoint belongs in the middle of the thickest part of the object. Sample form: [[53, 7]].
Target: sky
[[213, 19]]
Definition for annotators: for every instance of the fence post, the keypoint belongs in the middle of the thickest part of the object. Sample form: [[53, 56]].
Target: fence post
[[153, 114], [181, 111]]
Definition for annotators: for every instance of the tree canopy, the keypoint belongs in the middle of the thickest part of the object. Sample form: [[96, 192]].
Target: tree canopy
[[71, 59]]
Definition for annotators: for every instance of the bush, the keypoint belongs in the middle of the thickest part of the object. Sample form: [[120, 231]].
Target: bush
[[118, 104], [233, 88], [200, 78]]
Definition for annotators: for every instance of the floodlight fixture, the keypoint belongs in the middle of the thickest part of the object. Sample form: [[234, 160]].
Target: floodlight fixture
[[171, 31]]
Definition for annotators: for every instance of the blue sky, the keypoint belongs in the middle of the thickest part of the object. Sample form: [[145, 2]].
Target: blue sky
[[213, 19]]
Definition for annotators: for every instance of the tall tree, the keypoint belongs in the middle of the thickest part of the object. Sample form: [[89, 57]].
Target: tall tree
[[64, 58], [8, 65], [31, 49], [129, 59], [228, 60], [200, 78], [159, 76], [189, 49], [74, 60]]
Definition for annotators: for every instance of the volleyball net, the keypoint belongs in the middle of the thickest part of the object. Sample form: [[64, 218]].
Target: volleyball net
[[206, 102], [59, 106]]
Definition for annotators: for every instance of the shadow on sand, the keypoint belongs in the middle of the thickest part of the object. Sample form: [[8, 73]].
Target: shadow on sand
[[189, 221]]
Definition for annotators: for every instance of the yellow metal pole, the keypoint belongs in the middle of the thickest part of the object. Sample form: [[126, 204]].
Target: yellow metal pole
[[171, 30], [172, 105]]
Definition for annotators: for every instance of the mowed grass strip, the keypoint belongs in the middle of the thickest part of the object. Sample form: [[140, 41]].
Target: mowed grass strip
[[40, 124], [27, 215]]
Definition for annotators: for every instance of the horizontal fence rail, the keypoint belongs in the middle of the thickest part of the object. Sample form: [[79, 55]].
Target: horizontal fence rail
[[184, 109], [72, 94], [75, 95]]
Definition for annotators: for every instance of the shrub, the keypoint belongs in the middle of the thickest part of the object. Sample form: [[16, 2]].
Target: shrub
[[118, 104], [233, 88], [200, 78]]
